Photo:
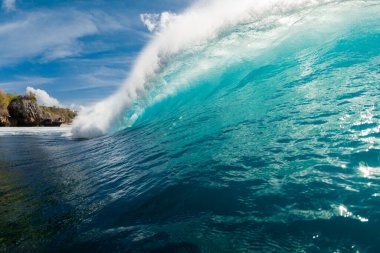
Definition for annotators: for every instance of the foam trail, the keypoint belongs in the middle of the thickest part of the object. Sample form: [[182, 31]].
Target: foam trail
[[194, 28]]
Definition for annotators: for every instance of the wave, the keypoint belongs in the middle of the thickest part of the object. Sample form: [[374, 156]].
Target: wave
[[199, 45]]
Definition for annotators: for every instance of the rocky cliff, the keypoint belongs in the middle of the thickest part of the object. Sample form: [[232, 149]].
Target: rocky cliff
[[4, 118], [24, 111]]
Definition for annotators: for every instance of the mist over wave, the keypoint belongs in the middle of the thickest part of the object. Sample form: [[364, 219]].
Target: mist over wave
[[210, 38]]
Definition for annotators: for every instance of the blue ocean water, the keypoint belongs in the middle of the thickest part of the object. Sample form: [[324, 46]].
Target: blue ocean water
[[279, 152]]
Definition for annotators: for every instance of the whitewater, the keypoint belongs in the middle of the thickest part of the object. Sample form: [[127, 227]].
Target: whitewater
[[243, 126]]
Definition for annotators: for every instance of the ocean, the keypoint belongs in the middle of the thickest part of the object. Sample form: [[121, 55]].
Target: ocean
[[258, 135]]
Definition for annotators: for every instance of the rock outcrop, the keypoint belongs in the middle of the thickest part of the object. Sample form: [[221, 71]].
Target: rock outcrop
[[24, 111], [5, 119]]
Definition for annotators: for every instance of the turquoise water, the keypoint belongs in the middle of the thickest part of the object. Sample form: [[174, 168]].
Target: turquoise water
[[271, 150]]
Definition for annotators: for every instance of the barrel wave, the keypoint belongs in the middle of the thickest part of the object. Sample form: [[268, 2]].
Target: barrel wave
[[243, 127]]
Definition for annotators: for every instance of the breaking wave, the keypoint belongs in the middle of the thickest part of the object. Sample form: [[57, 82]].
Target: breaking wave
[[212, 38]]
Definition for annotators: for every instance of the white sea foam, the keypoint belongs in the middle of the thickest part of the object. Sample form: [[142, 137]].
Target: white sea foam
[[191, 30], [9, 131]]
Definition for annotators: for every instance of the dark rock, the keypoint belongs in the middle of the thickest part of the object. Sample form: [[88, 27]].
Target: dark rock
[[50, 119], [24, 111]]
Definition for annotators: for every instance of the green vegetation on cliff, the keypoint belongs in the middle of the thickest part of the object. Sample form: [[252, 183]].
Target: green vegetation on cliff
[[5, 99], [63, 112]]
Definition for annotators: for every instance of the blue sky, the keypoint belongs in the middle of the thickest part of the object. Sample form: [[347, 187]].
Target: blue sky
[[78, 51]]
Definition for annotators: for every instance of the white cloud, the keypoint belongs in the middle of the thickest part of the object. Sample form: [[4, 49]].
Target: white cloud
[[155, 22], [43, 98], [50, 34], [9, 5]]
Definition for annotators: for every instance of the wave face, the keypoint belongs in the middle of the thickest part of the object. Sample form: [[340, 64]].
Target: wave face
[[213, 39]]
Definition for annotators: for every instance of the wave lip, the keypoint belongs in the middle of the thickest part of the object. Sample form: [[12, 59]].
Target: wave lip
[[160, 71]]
